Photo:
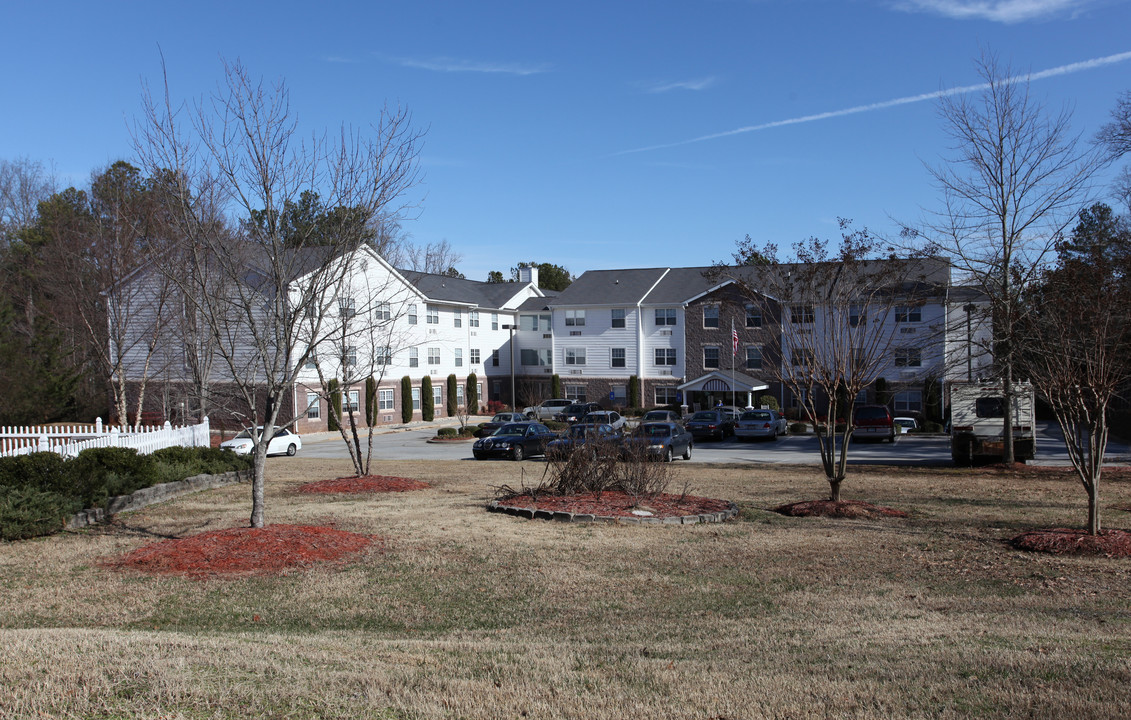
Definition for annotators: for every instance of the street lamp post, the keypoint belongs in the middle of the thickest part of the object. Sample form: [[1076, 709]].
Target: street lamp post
[[514, 400]]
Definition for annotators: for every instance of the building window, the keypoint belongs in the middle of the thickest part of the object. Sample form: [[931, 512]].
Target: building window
[[349, 358], [909, 401], [797, 399], [801, 357], [384, 356], [574, 318], [473, 319], [479, 393], [575, 356], [617, 357], [855, 315], [667, 396], [494, 321], [416, 398], [385, 399], [620, 395], [665, 356], [433, 356], [618, 317], [710, 316], [432, 315], [459, 357], [908, 357], [460, 402], [474, 358], [753, 316], [908, 313], [495, 358], [311, 361], [346, 307], [537, 322], [665, 316], [575, 393], [457, 318], [753, 358], [413, 357], [802, 314], [383, 311], [529, 356], [412, 314], [710, 357], [313, 406], [353, 401], [437, 395]]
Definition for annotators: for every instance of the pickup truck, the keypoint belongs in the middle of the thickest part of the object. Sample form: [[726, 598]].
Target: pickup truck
[[546, 410]]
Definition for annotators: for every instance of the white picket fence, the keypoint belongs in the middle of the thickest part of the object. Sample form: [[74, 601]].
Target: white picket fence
[[70, 440]]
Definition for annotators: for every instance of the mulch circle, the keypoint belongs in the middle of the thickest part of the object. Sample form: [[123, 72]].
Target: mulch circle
[[1068, 541], [617, 506], [838, 509], [270, 550], [367, 484]]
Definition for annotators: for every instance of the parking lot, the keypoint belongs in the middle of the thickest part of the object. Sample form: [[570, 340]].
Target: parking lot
[[919, 450]]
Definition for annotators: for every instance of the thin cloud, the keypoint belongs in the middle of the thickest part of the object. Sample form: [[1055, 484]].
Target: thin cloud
[[1051, 72], [1003, 11], [700, 84], [447, 64]]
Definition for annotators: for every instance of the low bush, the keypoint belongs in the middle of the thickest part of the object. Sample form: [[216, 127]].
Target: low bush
[[597, 468], [556, 425], [447, 432], [468, 430], [101, 473], [496, 406], [798, 428], [27, 512], [43, 471]]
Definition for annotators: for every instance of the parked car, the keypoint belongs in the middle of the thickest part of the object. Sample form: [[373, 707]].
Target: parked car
[[760, 424], [284, 442], [546, 410], [872, 422], [663, 440], [607, 417], [713, 424], [514, 440], [499, 420], [906, 424], [576, 412], [597, 436], [661, 416]]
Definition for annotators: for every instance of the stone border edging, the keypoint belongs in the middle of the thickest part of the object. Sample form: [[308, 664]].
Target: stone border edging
[[565, 516], [154, 494]]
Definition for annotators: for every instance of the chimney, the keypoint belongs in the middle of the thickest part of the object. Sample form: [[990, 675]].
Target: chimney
[[528, 275]]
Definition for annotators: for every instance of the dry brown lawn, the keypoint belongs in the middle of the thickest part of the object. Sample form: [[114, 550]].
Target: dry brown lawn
[[461, 613]]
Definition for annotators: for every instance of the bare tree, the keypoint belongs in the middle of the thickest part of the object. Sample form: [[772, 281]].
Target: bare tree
[[1015, 180], [835, 318], [437, 258], [24, 183], [1078, 340], [239, 158]]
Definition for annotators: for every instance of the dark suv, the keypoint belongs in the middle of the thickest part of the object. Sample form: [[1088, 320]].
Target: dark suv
[[715, 424], [872, 421], [577, 411]]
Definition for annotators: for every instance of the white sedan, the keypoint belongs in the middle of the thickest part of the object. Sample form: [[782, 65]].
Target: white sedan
[[284, 442]]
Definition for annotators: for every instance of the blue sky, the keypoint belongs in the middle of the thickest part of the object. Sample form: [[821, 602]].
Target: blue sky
[[588, 134]]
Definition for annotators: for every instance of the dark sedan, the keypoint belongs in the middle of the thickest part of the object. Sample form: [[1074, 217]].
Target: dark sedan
[[515, 441], [662, 440], [586, 435], [716, 424], [498, 421]]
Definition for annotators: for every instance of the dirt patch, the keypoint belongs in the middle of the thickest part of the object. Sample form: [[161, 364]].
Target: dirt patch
[[367, 484], [1066, 541], [619, 504], [271, 550], [838, 509]]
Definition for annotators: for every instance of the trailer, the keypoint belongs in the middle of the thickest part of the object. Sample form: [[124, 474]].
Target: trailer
[[977, 422]]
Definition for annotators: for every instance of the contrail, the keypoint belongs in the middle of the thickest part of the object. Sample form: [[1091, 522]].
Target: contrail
[[1051, 72]]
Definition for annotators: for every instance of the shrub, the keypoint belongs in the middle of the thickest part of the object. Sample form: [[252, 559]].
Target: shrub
[[27, 512], [555, 386], [930, 426], [406, 399], [495, 406], [556, 425], [447, 432], [798, 428], [469, 429], [334, 407], [472, 394], [634, 391], [101, 473], [427, 409], [200, 461], [769, 401], [451, 398], [42, 471]]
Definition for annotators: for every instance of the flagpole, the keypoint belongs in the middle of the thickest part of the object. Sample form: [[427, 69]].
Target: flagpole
[[733, 355]]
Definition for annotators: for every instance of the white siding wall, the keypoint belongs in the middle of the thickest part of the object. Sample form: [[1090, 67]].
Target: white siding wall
[[664, 336]]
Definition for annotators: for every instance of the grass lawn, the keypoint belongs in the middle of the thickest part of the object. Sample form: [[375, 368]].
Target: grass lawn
[[460, 613]]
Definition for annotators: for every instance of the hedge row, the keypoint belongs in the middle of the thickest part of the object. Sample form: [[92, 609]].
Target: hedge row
[[39, 491]]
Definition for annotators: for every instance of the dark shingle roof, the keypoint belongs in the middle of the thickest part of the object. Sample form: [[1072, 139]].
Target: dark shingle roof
[[608, 287], [461, 290]]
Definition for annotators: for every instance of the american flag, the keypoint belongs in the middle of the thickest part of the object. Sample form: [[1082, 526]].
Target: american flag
[[734, 337]]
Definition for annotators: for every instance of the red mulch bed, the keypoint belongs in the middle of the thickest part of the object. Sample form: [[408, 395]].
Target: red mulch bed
[[838, 509], [367, 484], [1066, 541], [270, 550], [619, 504]]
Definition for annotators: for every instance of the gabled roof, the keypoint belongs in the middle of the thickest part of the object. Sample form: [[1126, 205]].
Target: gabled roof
[[609, 287], [443, 288]]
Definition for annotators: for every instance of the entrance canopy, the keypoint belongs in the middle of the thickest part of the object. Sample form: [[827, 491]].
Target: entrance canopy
[[718, 381]]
